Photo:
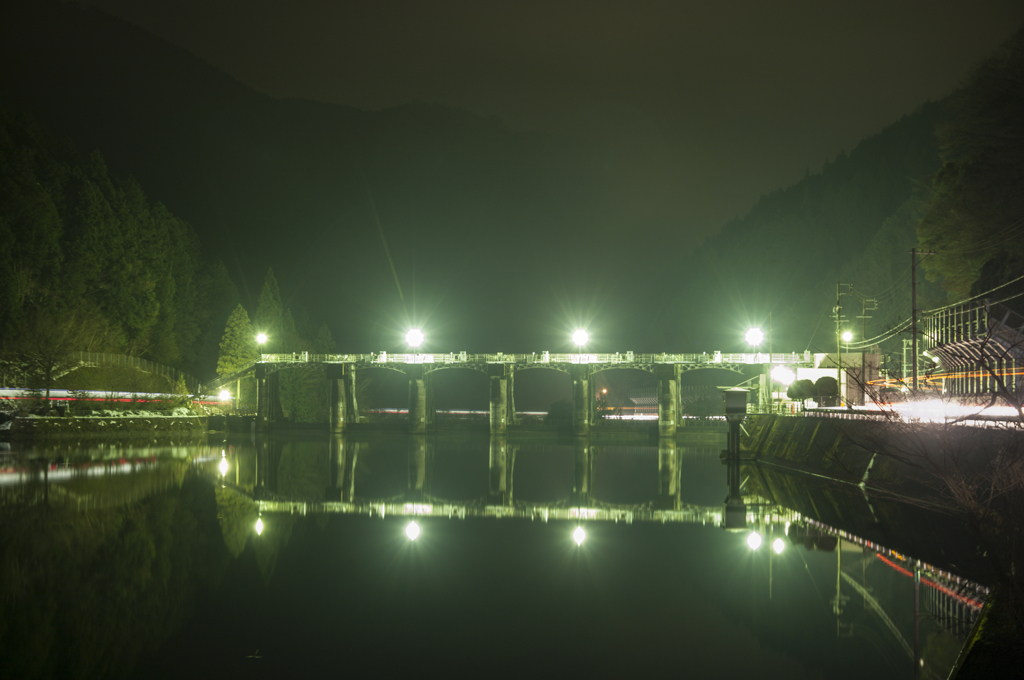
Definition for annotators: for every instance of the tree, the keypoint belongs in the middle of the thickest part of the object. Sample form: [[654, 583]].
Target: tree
[[238, 345], [802, 389], [269, 316], [973, 215], [323, 343]]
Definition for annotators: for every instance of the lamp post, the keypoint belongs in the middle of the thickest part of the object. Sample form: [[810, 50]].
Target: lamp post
[[261, 339], [414, 338], [754, 337], [580, 338]]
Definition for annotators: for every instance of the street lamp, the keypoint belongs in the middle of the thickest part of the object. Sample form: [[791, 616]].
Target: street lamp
[[580, 338], [754, 337], [754, 540], [847, 337], [414, 338], [579, 535], [778, 545], [412, 530]]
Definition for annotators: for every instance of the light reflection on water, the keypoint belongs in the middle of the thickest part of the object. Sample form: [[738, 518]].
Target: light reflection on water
[[827, 600]]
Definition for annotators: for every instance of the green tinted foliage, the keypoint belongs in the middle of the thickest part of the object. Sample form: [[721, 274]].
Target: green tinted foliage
[[74, 238], [974, 212], [269, 316], [238, 347], [323, 343]]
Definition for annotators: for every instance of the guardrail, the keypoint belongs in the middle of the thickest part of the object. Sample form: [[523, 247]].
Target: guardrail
[[533, 359], [541, 358]]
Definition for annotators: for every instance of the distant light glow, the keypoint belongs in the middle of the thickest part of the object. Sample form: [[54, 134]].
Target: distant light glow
[[412, 530], [579, 535], [754, 337], [223, 467], [414, 338], [604, 391], [259, 526], [778, 545], [783, 375], [847, 336], [224, 395], [261, 338], [754, 540], [580, 337]]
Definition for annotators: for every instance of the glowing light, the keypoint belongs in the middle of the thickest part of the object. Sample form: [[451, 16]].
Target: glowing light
[[223, 467], [754, 337], [579, 535], [604, 391], [261, 338], [580, 337], [259, 526], [778, 545], [754, 540], [414, 338], [847, 336], [412, 530], [224, 395], [784, 375]]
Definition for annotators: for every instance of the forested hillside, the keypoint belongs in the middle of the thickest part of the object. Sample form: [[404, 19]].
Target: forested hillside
[[89, 263], [852, 222], [492, 239], [975, 217]]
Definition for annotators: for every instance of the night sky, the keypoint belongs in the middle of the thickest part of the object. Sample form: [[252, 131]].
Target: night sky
[[720, 102], [500, 174]]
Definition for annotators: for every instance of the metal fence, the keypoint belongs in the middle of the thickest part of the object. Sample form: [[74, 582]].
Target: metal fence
[[101, 359]]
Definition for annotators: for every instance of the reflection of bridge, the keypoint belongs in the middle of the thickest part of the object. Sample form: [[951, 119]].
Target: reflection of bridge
[[580, 504], [501, 369]]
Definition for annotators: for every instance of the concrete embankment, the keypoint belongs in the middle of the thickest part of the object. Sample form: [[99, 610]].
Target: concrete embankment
[[70, 427], [892, 456]]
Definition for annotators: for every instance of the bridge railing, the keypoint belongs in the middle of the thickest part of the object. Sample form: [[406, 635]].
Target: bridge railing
[[542, 358]]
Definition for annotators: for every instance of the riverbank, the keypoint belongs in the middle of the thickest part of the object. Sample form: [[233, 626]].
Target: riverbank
[[973, 475], [178, 423]]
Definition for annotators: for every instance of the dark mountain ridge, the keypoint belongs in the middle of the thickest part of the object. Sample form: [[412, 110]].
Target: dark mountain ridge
[[501, 240]]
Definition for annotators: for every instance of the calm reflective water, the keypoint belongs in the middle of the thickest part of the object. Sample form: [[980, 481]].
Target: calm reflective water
[[145, 561]]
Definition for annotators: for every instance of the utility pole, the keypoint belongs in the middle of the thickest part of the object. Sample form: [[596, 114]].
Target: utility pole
[[914, 252], [839, 349], [864, 336]]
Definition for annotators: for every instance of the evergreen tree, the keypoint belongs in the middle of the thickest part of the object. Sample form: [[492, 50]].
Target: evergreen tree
[[323, 343], [269, 317], [238, 346]]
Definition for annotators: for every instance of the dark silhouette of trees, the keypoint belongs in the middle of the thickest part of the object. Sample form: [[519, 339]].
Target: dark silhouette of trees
[[973, 219]]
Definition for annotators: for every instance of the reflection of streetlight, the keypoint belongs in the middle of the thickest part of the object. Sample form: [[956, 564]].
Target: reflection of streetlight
[[579, 535], [778, 545], [412, 530], [580, 338], [754, 540], [223, 466], [259, 526], [754, 337], [414, 338]]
